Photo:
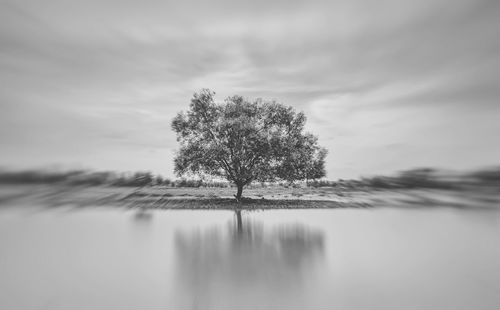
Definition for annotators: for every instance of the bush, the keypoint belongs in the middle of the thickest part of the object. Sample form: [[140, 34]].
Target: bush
[[36, 177]]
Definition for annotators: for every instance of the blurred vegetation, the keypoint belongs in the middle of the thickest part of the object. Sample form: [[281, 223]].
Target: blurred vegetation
[[96, 178], [426, 178]]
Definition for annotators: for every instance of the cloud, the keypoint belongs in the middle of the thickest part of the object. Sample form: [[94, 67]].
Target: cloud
[[109, 75]]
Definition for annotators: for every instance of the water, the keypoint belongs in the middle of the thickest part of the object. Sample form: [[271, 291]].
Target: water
[[383, 258]]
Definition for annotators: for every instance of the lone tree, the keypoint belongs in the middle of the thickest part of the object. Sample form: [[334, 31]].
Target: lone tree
[[245, 141]]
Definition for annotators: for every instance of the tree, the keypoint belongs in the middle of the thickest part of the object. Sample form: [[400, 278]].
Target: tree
[[245, 141], [142, 178]]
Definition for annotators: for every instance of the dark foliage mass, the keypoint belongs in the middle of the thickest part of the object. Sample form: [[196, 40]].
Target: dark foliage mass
[[98, 178], [415, 178], [243, 141], [80, 178]]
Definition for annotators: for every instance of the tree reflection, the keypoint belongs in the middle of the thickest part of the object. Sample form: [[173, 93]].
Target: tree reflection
[[246, 263]]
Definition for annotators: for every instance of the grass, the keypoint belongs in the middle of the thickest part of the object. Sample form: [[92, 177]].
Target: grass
[[161, 197], [245, 204]]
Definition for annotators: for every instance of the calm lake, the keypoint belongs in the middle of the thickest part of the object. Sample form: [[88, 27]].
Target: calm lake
[[379, 258]]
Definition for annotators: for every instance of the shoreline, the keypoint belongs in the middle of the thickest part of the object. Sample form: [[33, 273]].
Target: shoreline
[[246, 204], [164, 198]]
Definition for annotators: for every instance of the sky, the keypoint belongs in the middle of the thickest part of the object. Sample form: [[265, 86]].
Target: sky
[[387, 85]]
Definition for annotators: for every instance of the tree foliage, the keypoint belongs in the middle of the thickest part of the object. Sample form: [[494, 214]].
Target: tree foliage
[[245, 141]]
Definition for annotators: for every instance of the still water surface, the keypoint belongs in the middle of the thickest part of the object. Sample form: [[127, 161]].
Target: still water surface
[[387, 258]]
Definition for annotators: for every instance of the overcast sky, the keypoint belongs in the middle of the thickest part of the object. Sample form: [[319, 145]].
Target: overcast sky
[[386, 85]]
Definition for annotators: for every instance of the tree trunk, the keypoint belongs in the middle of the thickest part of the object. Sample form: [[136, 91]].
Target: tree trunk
[[240, 191]]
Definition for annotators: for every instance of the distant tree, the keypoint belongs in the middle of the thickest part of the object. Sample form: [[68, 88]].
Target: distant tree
[[245, 141], [487, 176], [142, 178], [158, 180]]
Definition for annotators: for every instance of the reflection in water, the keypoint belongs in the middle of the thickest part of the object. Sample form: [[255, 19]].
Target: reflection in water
[[143, 216], [246, 265], [386, 258]]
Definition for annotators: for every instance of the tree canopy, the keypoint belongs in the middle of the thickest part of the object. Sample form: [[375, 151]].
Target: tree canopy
[[245, 141]]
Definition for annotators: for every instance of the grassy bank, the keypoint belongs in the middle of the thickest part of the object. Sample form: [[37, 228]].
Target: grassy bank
[[160, 197]]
